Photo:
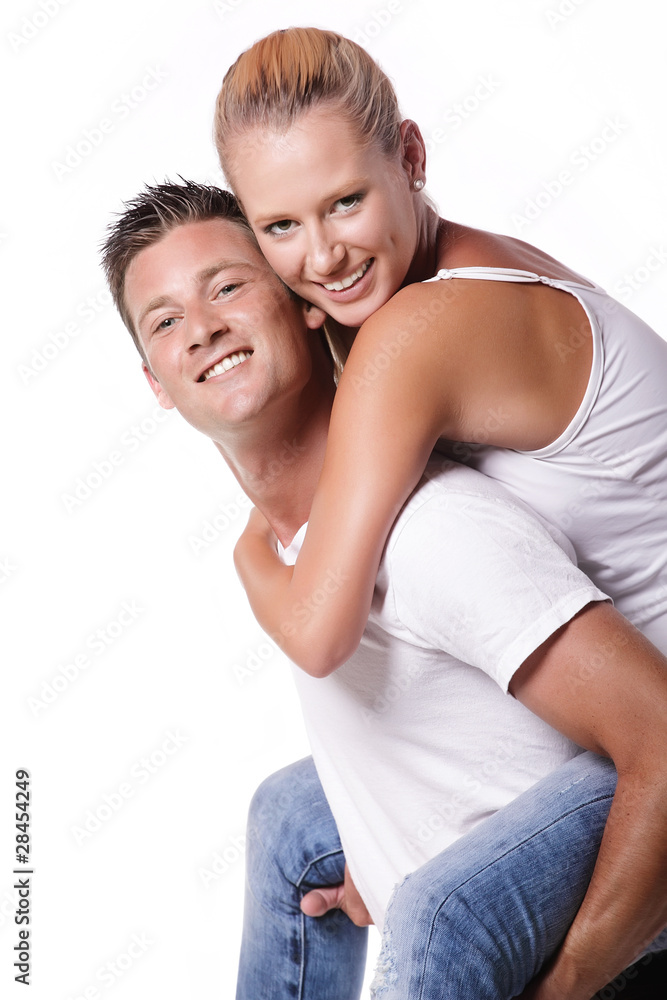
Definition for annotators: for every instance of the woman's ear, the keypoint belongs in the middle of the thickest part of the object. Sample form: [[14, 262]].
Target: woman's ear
[[413, 152], [163, 399], [314, 316]]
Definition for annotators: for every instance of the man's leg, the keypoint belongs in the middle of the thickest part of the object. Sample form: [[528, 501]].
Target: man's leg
[[478, 921], [293, 847]]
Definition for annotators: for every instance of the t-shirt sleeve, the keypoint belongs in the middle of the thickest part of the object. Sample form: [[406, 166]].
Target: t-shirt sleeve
[[483, 580]]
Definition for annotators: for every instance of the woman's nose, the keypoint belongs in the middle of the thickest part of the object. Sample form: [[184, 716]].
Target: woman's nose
[[326, 252]]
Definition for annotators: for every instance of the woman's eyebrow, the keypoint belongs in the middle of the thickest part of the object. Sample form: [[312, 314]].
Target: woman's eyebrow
[[349, 185]]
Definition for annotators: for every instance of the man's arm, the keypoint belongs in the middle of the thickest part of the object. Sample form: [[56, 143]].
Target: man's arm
[[599, 681]]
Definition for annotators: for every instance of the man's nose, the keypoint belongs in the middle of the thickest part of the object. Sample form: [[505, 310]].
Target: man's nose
[[325, 252], [204, 323]]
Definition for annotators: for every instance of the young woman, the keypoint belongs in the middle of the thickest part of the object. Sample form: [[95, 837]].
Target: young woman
[[463, 336], [454, 335]]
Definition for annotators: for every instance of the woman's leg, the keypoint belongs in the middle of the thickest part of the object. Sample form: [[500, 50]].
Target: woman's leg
[[293, 847], [478, 921]]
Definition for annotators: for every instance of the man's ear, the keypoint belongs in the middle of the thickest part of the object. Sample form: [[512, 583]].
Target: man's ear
[[413, 151], [313, 315], [161, 396]]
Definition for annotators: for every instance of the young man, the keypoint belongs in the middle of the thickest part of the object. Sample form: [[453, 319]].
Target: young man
[[475, 597]]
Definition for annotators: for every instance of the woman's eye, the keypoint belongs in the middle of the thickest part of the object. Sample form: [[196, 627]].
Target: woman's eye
[[281, 227], [349, 201]]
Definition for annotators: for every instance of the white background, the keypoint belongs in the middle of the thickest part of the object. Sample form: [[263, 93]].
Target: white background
[[537, 85]]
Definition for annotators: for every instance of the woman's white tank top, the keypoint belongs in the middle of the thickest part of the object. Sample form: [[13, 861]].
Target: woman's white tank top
[[604, 480]]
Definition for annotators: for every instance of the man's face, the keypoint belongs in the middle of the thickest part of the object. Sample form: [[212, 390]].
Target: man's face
[[222, 336]]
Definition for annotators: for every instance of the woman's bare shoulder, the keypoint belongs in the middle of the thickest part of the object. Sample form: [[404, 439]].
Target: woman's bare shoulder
[[435, 328], [422, 307], [464, 246]]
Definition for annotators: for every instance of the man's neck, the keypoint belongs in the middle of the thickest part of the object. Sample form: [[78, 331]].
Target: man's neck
[[278, 458]]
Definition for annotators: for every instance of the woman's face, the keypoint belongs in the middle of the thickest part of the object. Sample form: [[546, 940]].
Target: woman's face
[[335, 218]]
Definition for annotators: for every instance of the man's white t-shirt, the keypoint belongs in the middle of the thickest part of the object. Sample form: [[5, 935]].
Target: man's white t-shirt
[[415, 738]]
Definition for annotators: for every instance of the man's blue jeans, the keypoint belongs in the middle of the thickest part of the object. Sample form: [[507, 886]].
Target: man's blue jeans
[[477, 922]]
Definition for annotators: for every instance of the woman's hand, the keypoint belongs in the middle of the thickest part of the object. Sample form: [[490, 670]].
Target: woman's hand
[[263, 574], [257, 529], [256, 535]]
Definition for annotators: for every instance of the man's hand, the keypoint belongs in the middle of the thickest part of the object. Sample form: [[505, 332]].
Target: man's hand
[[343, 897]]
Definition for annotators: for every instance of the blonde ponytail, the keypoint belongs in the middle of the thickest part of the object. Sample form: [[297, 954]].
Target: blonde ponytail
[[293, 70]]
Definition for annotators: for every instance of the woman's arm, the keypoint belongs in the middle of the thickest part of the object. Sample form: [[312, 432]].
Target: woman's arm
[[317, 610], [387, 415], [599, 681], [403, 387]]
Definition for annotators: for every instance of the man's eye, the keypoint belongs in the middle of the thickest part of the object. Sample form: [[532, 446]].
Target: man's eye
[[227, 289], [165, 323], [281, 227]]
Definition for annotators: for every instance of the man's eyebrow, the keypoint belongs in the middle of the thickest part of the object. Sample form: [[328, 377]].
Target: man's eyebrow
[[221, 265], [200, 278], [156, 303]]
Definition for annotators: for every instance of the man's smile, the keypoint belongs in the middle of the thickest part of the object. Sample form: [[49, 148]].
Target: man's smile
[[225, 364]]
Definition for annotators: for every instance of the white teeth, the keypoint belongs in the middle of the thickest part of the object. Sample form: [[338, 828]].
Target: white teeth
[[231, 361], [338, 286]]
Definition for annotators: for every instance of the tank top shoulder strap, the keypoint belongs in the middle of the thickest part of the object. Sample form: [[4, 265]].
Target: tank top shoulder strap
[[579, 291], [504, 274]]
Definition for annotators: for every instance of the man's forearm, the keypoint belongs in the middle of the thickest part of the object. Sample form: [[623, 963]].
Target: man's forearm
[[601, 682], [625, 906]]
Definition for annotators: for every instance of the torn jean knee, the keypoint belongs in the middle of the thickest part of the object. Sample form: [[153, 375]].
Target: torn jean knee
[[385, 969], [478, 921]]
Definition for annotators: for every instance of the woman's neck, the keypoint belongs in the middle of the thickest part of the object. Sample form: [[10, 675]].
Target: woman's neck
[[431, 235]]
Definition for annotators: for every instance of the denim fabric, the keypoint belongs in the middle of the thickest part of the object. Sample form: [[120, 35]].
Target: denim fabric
[[292, 847], [477, 922]]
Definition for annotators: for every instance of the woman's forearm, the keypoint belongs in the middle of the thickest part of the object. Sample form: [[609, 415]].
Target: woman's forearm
[[313, 625], [265, 578]]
